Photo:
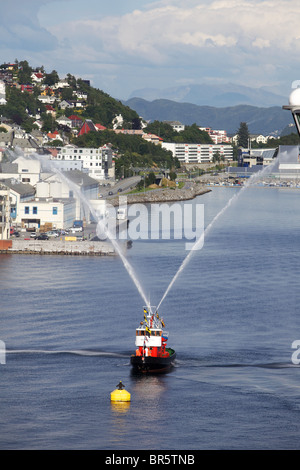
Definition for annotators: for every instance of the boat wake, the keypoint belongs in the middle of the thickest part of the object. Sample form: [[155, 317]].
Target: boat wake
[[198, 363], [76, 352]]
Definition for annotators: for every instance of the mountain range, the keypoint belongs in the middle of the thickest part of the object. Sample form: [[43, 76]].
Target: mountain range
[[218, 95], [265, 121], [216, 106]]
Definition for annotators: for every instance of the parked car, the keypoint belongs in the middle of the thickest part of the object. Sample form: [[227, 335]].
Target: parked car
[[16, 234], [110, 193], [42, 236], [52, 233]]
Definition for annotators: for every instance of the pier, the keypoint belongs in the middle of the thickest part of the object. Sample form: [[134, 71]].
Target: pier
[[59, 247]]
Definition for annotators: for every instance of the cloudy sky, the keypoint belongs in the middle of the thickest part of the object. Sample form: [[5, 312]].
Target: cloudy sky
[[125, 45]]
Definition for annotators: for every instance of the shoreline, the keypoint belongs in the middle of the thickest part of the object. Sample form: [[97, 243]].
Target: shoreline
[[164, 195], [89, 248]]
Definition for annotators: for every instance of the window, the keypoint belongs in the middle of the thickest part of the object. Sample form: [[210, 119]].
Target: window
[[26, 209], [35, 210], [54, 210]]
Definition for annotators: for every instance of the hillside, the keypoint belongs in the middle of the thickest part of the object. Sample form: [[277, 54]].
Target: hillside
[[264, 121], [36, 99]]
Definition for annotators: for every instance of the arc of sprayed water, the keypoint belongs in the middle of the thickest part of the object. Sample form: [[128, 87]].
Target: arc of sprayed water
[[199, 242], [89, 206], [115, 244]]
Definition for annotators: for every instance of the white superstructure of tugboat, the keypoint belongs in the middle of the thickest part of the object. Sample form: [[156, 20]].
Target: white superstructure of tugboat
[[152, 353]]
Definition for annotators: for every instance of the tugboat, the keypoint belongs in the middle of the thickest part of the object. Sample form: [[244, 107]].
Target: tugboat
[[152, 354]]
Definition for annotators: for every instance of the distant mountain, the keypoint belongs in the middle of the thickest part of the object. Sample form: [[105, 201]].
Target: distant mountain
[[264, 121], [228, 94]]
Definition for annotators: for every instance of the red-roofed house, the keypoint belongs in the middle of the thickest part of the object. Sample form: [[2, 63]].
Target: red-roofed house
[[37, 77], [53, 136], [87, 127], [28, 88], [100, 127], [76, 120]]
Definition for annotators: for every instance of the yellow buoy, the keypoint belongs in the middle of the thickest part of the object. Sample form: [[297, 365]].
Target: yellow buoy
[[120, 394]]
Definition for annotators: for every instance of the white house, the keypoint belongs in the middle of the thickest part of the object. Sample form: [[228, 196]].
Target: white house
[[46, 99], [64, 121], [176, 125]]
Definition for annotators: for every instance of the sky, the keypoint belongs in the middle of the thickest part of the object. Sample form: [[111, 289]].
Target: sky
[[125, 45]]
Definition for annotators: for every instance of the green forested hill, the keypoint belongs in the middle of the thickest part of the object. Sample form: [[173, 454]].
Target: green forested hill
[[23, 107]]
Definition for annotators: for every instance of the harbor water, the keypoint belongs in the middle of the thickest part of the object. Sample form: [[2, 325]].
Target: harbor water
[[68, 326]]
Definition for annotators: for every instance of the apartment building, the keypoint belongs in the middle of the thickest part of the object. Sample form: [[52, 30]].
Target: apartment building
[[198, 153], [217, 136], [96, 162]]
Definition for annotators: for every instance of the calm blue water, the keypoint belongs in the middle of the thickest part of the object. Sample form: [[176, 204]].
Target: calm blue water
[[68, 325]]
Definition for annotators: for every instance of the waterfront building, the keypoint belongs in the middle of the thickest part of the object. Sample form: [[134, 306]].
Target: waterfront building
[[198, 153], [38, 212]]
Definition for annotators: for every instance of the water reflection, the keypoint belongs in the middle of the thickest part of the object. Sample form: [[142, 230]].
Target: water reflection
[[143, 415]]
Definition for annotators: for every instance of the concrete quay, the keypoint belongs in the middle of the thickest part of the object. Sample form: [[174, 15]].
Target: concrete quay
[[60, 247], [164, 195]]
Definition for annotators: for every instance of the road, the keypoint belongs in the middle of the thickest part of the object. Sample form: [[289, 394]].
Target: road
[[121, 186]]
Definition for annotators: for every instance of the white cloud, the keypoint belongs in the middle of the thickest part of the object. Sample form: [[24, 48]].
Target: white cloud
[[150, 36], [168, 40]]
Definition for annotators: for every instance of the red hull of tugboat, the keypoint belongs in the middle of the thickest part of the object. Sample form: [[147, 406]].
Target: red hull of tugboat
[[146, 364]]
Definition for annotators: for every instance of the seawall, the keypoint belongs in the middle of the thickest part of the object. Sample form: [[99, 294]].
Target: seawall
[[59, 247], [163, 195]]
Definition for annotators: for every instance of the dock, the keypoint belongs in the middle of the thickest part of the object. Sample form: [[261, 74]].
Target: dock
[[58, 247]]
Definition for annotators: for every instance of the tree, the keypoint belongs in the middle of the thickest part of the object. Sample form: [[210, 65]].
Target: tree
[[51, 78], [25, 71], [243, 135]]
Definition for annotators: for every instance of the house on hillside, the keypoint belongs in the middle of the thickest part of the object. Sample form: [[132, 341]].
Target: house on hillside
[[37, 77], [76, 121], [176, 125], [66, 104], [64, 121]]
